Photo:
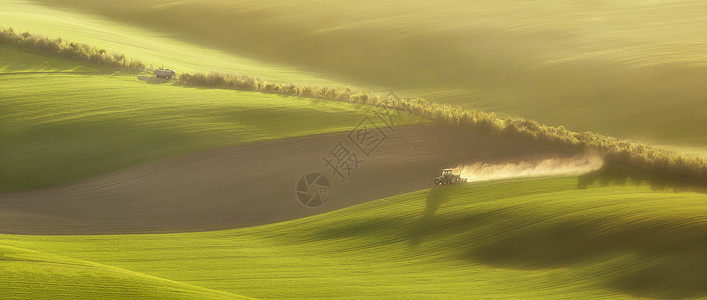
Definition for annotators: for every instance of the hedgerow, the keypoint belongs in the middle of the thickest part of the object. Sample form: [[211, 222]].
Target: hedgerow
[[623, 151], [628, 152], [71, 50]]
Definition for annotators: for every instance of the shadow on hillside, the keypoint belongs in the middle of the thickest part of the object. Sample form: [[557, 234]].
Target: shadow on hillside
[[412, 230], [660, 258], [428, 223], [622, 175]]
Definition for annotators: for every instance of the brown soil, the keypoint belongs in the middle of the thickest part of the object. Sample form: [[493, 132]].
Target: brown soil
[[251, 184]]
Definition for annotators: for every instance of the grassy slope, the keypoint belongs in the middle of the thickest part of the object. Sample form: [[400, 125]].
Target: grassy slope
[[13, 61], [626, 68], [149, 46], [63, 127], [27, 274], [526, 238], [523, 238]]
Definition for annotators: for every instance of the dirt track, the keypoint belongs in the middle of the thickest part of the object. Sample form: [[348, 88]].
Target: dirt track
[[249, 184]]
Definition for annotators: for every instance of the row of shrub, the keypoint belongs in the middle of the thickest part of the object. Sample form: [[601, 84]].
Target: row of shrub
[[621, 151], [71, 50]]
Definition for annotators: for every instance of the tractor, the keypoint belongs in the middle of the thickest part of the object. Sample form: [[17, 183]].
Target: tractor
[[165, 73], [448, 178]]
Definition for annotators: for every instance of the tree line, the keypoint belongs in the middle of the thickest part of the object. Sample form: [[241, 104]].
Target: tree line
[[638, 155], [70, 50]]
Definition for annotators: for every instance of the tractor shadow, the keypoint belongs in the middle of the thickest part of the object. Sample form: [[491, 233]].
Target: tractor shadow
[[153, 80], [413, 230], [429, 223]]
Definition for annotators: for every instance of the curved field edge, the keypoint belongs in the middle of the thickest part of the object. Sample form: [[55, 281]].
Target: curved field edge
[[523, 238], [58, 126], [650, 159], [29, 274]]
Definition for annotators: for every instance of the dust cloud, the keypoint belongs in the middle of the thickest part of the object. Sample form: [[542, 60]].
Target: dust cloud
[[575, 165]]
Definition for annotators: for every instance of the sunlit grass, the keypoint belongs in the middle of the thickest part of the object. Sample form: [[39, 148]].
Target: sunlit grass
[[154, 48], [530, 238], [28, 274], [58, 128], [14, 60], [630, 69]]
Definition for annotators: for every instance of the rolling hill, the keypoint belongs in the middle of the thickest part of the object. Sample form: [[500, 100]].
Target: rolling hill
[[61, 124], [631, 69], [31, 274], [88, 154], [525, 238]]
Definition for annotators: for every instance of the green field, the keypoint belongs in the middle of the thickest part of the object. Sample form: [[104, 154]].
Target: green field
[[631, 69], [154, 48], [60, 125], [626, 68], [527, 238], [28, 274]]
